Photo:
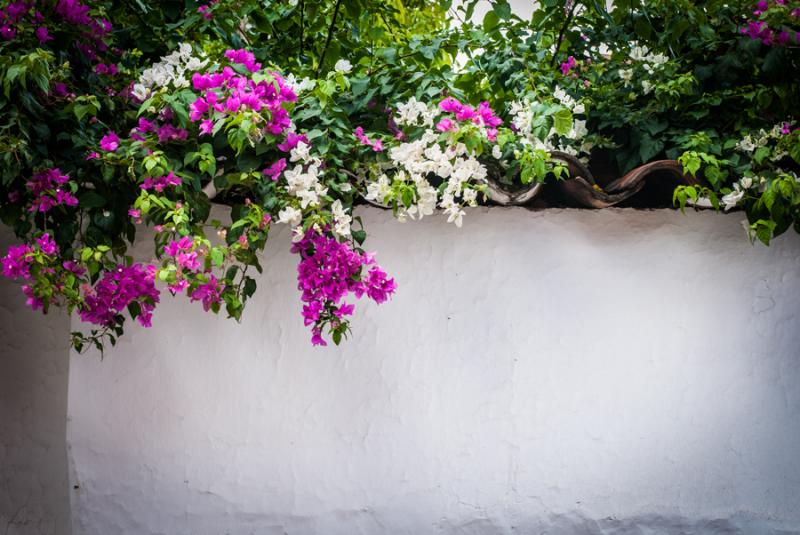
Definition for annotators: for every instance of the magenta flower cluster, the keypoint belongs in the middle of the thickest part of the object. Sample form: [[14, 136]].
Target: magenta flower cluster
[[118, 289], [274, 171], [14, 14], [73, 12], [761, 31], [164, 132], [188, 260], [362, 138], [47, 189], [17, 265], [568, 65], [106, 69], [185, 257], [205, 10], [208, 293], [482, 115], [243, 57], [227, 92], [292, 140], [327, 273], [110, 142], [160, 183]]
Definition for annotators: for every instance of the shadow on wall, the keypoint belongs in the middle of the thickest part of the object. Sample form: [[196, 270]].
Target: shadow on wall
[[34, 363]]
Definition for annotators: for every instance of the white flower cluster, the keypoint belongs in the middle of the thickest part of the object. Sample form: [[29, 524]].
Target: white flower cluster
[[650, 63], [733, 198], [343, 66], [410, 164], [303, 182], [303, 179], [300, 86], [524, 116], [751, 142], [415, 113], [173, 70], [341, 219], [564, 98]]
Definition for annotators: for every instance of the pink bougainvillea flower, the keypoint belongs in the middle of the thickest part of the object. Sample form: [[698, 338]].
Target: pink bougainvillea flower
[[43, 35], [116, 290], [46, 244], [568, 65], [110, 142], [47, 191], [243, 57], [160, 183], [206, 127], [102, 68], [198, 109], [16, 263], [376, 145], [7, 32], [489, 118], [209, 293], [169, 132], [274, 171], [32, 300], [329, 271], [445, 125], [467, 113], [292, 139], [185, 243], [74, 12], [450, 105]]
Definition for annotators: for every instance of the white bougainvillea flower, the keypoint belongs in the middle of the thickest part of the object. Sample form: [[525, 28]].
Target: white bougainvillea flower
[[343, 66]]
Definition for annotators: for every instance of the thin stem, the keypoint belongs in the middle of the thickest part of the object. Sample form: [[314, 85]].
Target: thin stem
[[563, 31], [330, 35], [302, 15]]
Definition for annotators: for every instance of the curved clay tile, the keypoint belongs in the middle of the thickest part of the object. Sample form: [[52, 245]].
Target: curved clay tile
[[641, 173], [499, 194], [580, 191], [580, 187]]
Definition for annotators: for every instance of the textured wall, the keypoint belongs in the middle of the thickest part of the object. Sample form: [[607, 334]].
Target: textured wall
[[34, 359], [560, 372]]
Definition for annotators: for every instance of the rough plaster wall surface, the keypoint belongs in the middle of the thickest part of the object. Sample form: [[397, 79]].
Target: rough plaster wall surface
[[556, 372], [34, 359]]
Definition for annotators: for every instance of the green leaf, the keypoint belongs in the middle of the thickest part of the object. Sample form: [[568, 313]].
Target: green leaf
[[217, 257], [91, 199], [359, 236], [562, 121], [649, 147], [249, 287], [490, 21]]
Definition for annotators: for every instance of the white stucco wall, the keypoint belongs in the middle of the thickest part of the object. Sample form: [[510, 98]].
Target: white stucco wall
[[559, 372], [34, 360]]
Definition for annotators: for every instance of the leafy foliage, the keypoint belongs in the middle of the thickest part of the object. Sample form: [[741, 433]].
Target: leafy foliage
[[120, 114]]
